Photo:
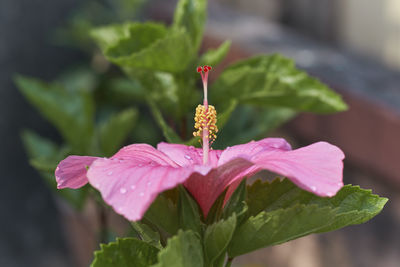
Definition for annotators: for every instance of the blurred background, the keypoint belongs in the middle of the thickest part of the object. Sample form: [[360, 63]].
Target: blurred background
[[352, 45]]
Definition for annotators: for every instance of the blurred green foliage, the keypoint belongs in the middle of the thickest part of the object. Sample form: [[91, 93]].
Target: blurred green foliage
[[152, 94]]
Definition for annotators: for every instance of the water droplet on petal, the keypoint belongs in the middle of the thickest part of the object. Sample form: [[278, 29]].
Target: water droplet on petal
[[141, 194], [188, 157], [133, 187], [57, 168], [122, 190], [121, 160], [228, 147], [149, 184], [330, 194], [110, 173], [313, 188]]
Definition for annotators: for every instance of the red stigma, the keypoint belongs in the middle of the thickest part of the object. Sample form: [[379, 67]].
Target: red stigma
[[204, 69]]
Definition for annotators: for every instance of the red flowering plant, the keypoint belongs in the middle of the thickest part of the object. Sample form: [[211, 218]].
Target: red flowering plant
[[189, 204]]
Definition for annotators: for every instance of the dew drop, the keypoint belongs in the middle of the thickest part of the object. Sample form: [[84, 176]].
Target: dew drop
[[313, 188], [110, 173], [57, 168], [133, 187], [141, 194], [122, 190], [188, 157], [228, 147], [330, 194], [121, 160], [149, 184]]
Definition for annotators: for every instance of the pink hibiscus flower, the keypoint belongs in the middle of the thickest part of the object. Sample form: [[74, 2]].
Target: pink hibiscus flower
[[130, 180]]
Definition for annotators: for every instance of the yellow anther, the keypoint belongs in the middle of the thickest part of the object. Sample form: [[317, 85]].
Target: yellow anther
[[206, 120]]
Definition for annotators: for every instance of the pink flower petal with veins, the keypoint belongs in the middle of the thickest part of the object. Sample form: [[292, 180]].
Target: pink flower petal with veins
[[71, 172], [131, 179]]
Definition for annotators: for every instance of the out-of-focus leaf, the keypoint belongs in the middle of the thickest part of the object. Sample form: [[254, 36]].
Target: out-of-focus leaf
[[182, 250], [71, 112], [145, 46], [223, 117], [116, 129], [168, 132], [125, 252], [126, 91], [37, 146], [110, 35], [252, 124], [214, 56], [191, 15], [274, 80]]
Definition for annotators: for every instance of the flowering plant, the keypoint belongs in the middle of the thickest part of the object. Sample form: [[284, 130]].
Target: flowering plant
[[192, 206]]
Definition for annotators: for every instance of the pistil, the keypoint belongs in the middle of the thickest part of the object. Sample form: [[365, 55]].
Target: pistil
[[205, 118]]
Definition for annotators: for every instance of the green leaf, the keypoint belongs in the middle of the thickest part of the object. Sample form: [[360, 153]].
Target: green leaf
[[236, 203], [71, 112], [147, 234], [126, 91], [148, 46], [251, 123], [214, 56], [182, 250], [125, 252], [278, 226], [217, 237], [116, 129], [37, 146], [189, 212], [110, 35], [163, 213], [224, 117], [352, 204], [168, 132], [275, 81], [191, 15], [281, 212]]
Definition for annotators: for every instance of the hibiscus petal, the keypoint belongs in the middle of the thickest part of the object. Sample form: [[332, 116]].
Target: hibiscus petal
[[71, 172], [188, 155], [132, 178], [317, 168], [248, 150], [206, 188]]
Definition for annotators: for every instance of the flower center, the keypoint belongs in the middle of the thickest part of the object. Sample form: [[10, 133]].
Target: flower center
[[205, 118]]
